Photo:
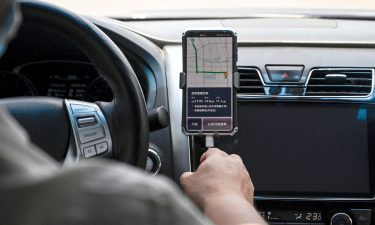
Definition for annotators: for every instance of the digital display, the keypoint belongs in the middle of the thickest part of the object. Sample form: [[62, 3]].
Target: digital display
[[67, 79], [70, 86], [304, 149], [293, 216], [209, 83]]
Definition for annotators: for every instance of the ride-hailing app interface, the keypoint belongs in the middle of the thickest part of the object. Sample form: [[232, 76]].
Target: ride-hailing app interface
[[209, 84]]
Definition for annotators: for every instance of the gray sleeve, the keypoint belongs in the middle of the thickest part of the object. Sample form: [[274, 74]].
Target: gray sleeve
[[178, 209], [99, 192], [145, 200]]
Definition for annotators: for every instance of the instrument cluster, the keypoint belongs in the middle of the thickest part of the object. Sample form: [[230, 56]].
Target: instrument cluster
[[62, 79]]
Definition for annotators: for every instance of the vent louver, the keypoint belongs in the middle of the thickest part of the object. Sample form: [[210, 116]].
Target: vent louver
[[250, 82], [340, 82]]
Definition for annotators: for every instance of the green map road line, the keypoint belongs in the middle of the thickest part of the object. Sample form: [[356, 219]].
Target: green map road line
[[196, 63]]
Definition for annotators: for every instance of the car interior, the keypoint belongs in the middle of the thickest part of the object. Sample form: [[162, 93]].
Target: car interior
[[109, 87]]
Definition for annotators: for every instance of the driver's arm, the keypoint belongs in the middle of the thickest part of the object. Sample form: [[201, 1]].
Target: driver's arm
[[222, 188]]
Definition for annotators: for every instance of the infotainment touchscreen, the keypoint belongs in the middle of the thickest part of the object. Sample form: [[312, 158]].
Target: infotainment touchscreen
[[304, 149]]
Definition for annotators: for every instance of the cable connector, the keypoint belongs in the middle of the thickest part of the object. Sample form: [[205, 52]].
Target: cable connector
[[209, 141]]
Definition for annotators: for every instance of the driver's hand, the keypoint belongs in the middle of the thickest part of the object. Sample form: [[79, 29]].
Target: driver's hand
[[219, 174]]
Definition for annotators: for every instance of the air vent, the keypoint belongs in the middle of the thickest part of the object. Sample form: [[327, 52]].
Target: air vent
[[250, 82], [340, 82]]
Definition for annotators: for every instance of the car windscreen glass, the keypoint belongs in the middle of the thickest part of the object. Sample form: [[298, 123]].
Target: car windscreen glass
[[144, 9]]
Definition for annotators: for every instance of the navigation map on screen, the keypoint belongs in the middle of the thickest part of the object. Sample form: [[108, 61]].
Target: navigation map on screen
[[209, 69]]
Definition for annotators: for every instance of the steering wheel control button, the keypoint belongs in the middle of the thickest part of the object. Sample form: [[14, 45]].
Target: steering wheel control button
[[77, 109], [86, 121], [91, 134], [89, 151], [341, 219], [362, 216], [284, 74], [89, 128], [101, 147]]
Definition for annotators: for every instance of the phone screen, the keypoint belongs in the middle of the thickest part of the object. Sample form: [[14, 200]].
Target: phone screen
[[209, 66]]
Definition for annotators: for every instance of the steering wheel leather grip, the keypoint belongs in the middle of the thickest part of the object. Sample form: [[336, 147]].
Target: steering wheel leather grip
[[126, 114]]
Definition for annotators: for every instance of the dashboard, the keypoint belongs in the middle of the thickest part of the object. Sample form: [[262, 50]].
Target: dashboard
[[306, 137], [306, 140]]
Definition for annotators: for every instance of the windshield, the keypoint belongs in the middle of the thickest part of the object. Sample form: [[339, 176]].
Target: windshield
[[143, 9]]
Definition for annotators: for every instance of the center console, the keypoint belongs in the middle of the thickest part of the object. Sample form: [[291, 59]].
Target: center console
[[311, 158]]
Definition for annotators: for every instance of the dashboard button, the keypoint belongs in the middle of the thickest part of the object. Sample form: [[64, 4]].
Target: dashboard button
[[153, 163], [101, 147], [91, 134], [362, 216], [280, 74], [341, 219], [89, 151]]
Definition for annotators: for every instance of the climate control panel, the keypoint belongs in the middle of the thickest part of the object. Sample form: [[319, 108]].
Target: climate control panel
[[317, 217]]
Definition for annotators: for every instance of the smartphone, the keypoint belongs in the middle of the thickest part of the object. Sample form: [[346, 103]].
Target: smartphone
[[209, 90]]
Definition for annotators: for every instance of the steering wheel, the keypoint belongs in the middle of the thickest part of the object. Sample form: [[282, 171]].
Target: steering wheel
[[117, 129]]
